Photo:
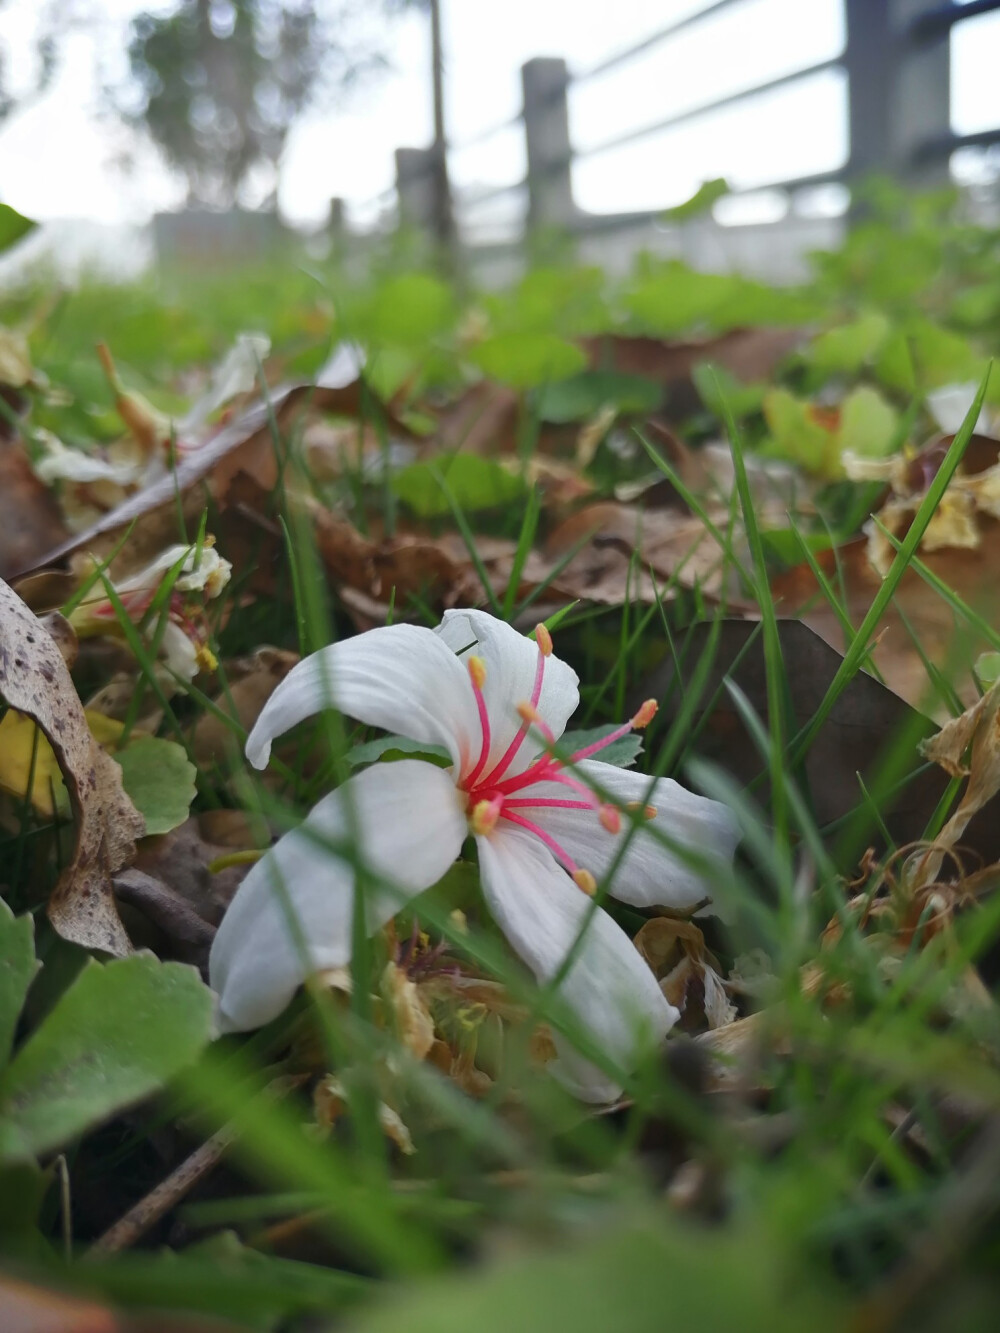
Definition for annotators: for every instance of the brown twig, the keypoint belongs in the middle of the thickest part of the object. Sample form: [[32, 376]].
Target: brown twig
[[148, 1211]]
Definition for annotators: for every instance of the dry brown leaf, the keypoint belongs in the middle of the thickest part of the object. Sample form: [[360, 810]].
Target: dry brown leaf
[[735, 1051], [30, 520], [668, 545], [482, 420], [331, 1100], [250, 683], [243, 446], [34, 680], [949, 644], [749, 354], [667, 942], [181, 858], [867, 724], [978, 727], [411, 1017]]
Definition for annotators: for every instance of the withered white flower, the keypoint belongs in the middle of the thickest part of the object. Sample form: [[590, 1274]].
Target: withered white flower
[[202, 571], [541, 832]]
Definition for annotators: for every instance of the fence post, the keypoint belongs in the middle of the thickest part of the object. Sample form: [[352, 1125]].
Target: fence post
[[416, 180], [923, 94], [546, 131], [899, 90]]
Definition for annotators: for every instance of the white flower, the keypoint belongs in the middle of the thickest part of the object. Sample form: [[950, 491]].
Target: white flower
[[542, 834], [202, 571]]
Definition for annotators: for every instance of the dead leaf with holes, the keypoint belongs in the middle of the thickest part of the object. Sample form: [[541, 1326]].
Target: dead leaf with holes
[[34, 681]]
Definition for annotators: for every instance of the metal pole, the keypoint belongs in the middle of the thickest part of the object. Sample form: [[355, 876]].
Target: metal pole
[[546, 131], [444, 217], [899, 88]]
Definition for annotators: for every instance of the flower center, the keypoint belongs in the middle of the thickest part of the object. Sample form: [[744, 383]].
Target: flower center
[[491, 797]]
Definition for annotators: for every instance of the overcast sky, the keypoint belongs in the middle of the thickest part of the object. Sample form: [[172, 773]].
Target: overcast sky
[[62, 158]]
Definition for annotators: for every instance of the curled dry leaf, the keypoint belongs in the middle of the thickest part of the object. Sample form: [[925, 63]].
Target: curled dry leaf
[[978, 727], [971, 500], [410, 1015], [331, 1099], [675, 951], [34, 681]]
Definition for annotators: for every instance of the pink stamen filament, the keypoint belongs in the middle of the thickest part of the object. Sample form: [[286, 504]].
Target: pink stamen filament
[[549, 768], [521, 803], [507, 759], [484, 724], [554, 847]]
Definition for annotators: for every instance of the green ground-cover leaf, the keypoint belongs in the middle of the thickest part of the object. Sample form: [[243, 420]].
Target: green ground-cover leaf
[[717, 386], [13, 226], [622, 753], [17, 968], [161, 781], [676, 298], [474, 482], [701, 202], [865, 424], [224, 1278], [119, 1033], [631, 1277], [526, 360], [409, 310], [584, 395], [396, 747], [846, 348]]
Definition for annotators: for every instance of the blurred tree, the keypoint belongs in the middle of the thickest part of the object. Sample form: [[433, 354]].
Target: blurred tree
[[218, 84], [36, 61]]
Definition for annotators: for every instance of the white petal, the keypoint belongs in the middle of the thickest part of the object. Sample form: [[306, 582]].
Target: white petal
[[511, 660], [609, 988], [648, 875], [236, 373], [409, 829], [62, 464], [399, 677], [178, 651], [950, 405]]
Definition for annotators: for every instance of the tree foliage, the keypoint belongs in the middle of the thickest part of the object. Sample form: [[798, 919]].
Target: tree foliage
[[218, 84]]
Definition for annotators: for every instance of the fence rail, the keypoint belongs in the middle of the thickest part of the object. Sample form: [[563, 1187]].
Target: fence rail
[[896, 60]]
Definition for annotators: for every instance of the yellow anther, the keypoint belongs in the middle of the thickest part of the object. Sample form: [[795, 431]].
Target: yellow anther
[[527, 712], [584, 880], [206, 659], [544, 640], [647, 811], [610, 819], [645, 714], [477, 670], [484, 816]]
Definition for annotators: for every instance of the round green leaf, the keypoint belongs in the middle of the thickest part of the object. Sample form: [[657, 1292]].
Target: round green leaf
[[160, 780], [525, 360]]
